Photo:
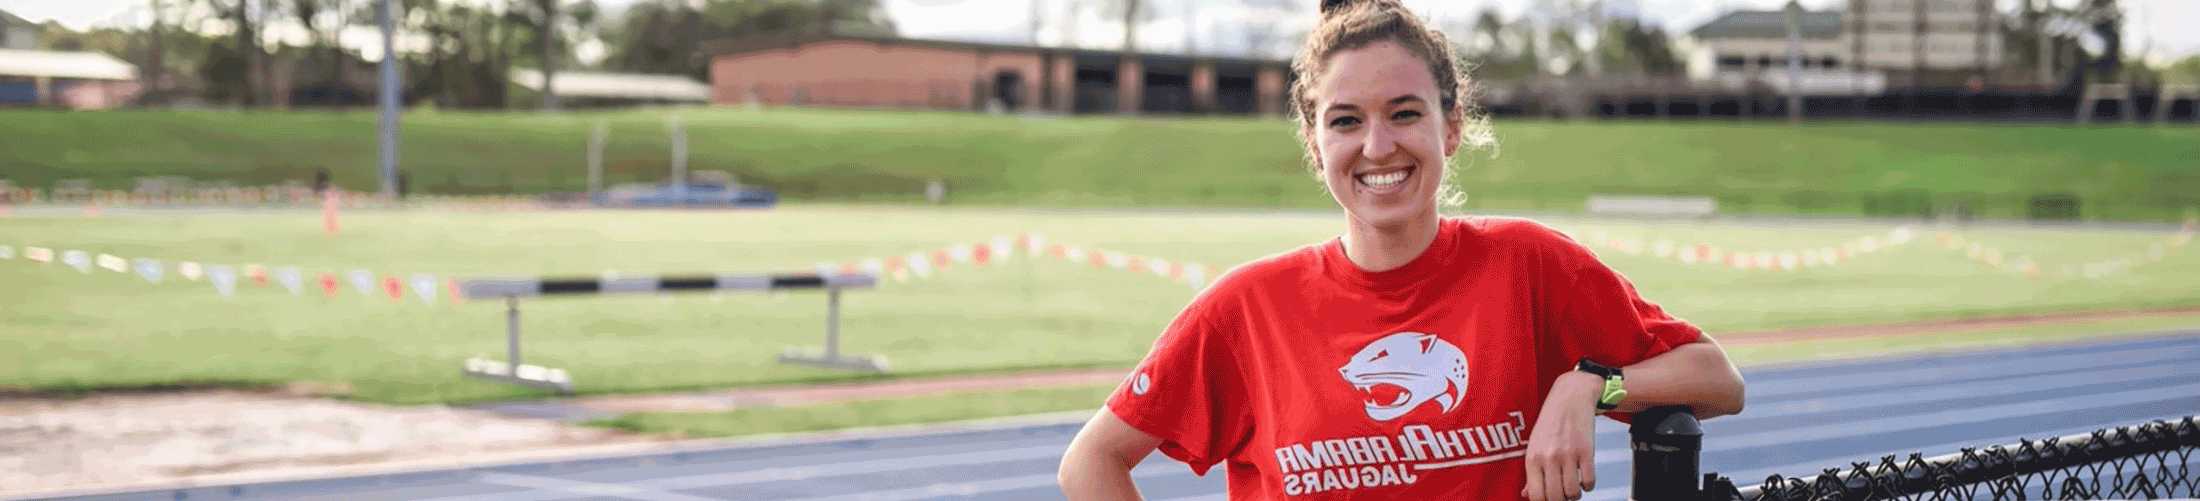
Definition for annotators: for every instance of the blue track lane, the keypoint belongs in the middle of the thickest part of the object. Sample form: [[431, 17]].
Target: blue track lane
[[1801, 419]]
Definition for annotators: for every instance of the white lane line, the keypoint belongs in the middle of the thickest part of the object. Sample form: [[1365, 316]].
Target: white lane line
[[1219, 496], [577, 487], [2019, 367], [967, 489], [854, 468]]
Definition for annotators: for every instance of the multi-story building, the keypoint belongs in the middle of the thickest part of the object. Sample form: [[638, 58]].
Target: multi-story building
[[1924, 42], [1749, 48], [1863, 48]]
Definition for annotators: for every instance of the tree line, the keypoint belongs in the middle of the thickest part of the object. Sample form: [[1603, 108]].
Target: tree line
[[455, 53]]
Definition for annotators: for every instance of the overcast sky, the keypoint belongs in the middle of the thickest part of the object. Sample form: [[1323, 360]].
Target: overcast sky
[[2166, 23]]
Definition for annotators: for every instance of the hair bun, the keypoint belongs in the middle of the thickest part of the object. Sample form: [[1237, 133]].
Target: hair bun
[[1334, 6]]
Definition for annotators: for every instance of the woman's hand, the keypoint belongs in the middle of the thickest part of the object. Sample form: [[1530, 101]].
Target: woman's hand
[[1562, 453]]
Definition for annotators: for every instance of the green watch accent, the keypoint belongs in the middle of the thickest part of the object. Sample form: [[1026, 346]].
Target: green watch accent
[[1615, 390], [1615, 387]]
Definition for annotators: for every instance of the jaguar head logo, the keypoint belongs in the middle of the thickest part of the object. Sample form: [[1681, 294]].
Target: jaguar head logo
[[1400, 372]]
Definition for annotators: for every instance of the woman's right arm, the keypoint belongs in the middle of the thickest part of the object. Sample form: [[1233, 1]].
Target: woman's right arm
[[1098, 465]]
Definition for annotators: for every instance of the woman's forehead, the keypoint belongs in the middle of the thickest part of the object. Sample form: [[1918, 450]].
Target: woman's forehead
[[1372, 75]]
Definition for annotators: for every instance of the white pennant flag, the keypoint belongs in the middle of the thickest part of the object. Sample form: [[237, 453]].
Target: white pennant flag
[[189, 270], [1002, 248], [114, 263], [224, 278], [1195, 276], [291, 279], [424, 286], [959, 252], [39, 254], [1159, 267], [920, 264], [364, 281], [7, 252], [149, 268], [80, 260], [874, 266]]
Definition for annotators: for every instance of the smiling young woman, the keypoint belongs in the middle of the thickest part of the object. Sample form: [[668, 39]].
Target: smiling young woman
[[1416, 356]]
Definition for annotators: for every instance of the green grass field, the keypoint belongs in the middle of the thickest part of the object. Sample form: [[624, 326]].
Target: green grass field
[[65, 329], [2120, 173]]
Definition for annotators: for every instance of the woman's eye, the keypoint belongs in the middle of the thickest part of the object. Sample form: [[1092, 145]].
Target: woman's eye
[[1344, 121], [1402, 115]]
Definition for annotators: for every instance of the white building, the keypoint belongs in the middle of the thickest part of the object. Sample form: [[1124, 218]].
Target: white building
[[1848, 51], [1924, 35], [1750, 48]]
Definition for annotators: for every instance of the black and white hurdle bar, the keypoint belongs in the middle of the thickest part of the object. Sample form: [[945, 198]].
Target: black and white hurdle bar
[[512, 289]]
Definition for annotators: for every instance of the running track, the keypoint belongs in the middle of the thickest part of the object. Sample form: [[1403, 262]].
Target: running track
[[1800, 419]]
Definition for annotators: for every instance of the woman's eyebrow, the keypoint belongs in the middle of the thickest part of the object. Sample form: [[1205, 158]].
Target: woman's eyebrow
[[1392, 102]]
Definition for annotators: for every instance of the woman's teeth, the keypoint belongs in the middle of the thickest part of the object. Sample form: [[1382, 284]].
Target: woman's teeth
[[1384, 180]]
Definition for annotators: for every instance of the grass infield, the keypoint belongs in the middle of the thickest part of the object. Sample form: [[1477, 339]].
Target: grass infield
[[69, 330], [2119, 173]]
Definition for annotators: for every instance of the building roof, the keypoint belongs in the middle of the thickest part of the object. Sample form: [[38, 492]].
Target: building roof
[[58, 64], [9, 19], [1770, 24], [616, 85], [800, 37]]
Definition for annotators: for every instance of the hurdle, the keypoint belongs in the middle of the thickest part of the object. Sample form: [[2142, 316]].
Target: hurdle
[[511, 290]]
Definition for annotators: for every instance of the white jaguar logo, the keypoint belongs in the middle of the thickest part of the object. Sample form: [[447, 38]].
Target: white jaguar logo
[[1398, 373]]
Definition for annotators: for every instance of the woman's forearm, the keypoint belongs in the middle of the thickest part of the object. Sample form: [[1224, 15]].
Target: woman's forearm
[[1697, 375]]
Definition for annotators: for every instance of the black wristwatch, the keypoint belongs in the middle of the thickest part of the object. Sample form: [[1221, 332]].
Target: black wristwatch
[[1615, 388]]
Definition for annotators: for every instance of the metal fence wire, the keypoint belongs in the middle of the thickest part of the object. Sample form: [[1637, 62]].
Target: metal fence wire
[[2155, 460]]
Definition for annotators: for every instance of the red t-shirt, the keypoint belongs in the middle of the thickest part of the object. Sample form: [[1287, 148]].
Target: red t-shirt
[[1316, 379]]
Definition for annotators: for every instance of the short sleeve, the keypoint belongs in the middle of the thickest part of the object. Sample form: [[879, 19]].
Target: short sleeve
[[1599, 316], [1187, 391]]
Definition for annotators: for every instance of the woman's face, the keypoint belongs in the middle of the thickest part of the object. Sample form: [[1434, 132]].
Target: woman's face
[[1380, 135]]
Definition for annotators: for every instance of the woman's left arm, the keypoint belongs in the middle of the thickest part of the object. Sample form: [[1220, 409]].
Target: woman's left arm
[[1561, 456], [1696, 374]]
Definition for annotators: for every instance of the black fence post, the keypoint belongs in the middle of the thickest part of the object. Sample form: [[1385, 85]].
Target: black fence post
[[1668, 444]]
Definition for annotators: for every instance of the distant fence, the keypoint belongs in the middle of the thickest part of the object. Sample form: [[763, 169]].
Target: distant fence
[[2154, 460]]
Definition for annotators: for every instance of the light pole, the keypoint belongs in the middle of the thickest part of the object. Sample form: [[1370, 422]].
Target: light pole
[[387, 118]]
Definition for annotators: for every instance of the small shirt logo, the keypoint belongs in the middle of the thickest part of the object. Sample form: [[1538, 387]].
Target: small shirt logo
[[1140, 384]]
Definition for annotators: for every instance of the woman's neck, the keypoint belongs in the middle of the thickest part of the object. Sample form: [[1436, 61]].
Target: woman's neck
[[1386, 248]]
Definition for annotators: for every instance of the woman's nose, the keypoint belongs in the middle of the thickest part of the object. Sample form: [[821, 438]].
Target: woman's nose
[[1380, 142]]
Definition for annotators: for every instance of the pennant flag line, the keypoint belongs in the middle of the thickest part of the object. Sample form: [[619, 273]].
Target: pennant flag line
[[114, 263], [189, 270], [7, 252], [40, 254]]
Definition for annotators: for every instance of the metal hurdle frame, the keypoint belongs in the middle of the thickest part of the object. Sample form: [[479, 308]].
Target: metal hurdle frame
[[512, 289]]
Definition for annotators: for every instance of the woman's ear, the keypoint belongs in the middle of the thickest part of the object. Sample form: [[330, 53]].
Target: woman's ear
[[1454, 125]]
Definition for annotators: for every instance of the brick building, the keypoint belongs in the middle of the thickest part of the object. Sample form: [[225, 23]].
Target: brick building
[[833, 68]]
